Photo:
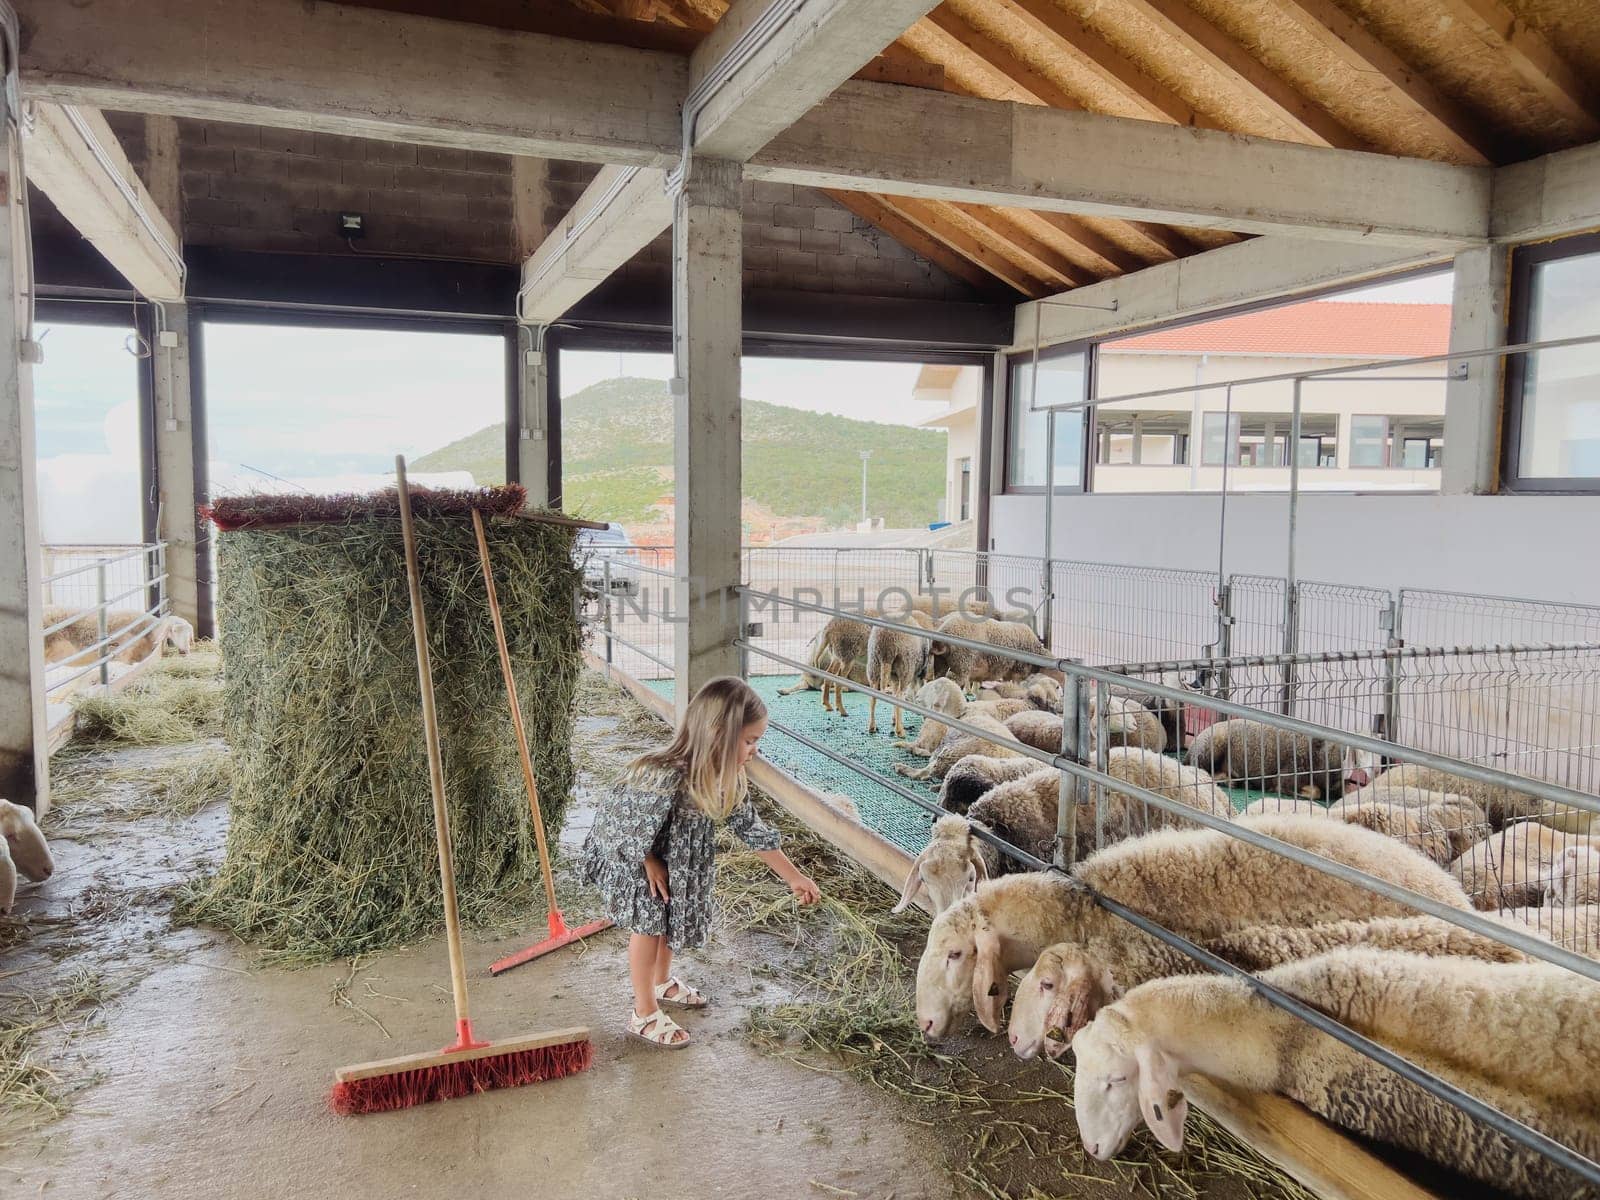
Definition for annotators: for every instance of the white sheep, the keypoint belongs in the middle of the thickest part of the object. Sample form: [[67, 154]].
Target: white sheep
[[8, 879], [25, 842], [1575, 877], [996, 710], [976, 775], [1201, 883], [1438, 824], [845, 640], [958, 744], [1263, 756], [1040, 689], [817, 657], [1502, 804], [1051, 997], [1036, 728], [133, 635], [1513, 868], [942, 695], [1509, 1034], [1128, 723], [968, 666], [895, 661], [1572, 927], [950, 866]]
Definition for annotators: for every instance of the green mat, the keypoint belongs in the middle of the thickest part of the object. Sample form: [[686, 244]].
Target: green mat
[[881, 809]]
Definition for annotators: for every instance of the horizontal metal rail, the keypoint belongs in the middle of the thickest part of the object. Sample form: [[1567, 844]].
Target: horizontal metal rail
[[609, 635], [1374, 654], [105, 604], [101, 562]]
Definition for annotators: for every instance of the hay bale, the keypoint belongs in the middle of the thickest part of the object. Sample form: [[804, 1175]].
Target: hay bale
[[330, 850]]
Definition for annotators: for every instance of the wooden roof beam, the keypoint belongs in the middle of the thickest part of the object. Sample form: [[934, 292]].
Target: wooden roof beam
[[1118, 259], [1021, 245], [913, 238], [1535, 60], [960, 40], [1455, 130], [1238, 66], [937, 222]]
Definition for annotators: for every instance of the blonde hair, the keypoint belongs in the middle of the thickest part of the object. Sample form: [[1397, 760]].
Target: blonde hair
[[705, 749]]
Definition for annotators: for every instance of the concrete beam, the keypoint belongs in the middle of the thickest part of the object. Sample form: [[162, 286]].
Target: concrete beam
[[76, 160], [621, 212], [933, 145], [163, 172], [1217, 280], [24, 756], [792, 71], [362, 72], [1473, 404], [706, 335], [1551, 196], [180, 526]]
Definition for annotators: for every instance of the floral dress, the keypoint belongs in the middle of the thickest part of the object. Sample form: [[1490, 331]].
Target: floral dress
[[653, 814]]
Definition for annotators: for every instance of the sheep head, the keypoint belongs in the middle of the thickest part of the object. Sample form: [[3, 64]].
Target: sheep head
[[26, 844], [1060, 994], [960, 965], [1123, 1075], [949, 868], [180, 634], [1575, 877]]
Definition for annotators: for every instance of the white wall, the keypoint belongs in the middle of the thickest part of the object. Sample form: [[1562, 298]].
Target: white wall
[[1540, 547]]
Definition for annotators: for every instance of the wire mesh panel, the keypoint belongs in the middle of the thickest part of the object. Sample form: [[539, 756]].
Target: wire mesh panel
[[1008, 583], [630, 606], [104, 606], [1428, 617], [1340, 616], [1256, 604], [1110, 613]]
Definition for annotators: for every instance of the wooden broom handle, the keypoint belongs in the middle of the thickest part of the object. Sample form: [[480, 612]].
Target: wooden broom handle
[[430, 733], [516, 709]]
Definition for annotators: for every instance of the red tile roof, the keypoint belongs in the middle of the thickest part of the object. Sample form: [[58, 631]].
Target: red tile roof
[[1311, 329]]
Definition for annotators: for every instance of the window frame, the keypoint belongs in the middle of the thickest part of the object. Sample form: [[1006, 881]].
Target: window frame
[[1523, 261], [1387, 441], [1086, 446]]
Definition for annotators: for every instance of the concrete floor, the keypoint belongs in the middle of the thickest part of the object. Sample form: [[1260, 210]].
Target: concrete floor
[[214, 1072]]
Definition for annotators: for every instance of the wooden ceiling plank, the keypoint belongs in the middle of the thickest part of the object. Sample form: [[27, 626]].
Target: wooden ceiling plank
[[1072, 38], [1535, 60], [1021, 245], [1234, 63], [1166, 237], [874, 209], [970, 42], [927, 216], [1118, 258], [1358, 47]]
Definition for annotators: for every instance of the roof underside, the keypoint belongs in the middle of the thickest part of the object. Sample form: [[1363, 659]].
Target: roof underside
[[1466, 81]]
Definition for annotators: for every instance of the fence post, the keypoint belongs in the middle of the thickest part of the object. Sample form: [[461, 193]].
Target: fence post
[[1391, 669], [103, 624], [1070, 790], [1224, 636], [1291, 639], [744, 635], [605, 602]]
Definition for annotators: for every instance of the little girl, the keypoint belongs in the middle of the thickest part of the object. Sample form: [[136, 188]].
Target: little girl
[[652, 850]]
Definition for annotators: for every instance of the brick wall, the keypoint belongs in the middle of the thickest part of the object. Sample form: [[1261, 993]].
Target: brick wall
[[254, 188]]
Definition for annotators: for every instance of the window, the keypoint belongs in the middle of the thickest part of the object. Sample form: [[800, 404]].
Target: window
[[1411, 442], [1141, 438], [1554, 423], [1063, 379], [1219, 440], [1262, 439], [1369, 441]]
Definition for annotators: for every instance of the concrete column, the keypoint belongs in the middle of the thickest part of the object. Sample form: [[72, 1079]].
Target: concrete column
[[1473, 404], [24, 755], [706, 331], [179, 525], [161, 169], [534, 410]]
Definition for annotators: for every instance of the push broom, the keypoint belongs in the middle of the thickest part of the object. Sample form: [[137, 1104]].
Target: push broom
[[560, 934], [467, 1065]]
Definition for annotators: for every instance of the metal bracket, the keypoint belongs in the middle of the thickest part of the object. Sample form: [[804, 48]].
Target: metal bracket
[[753, 629], [1459, 370]]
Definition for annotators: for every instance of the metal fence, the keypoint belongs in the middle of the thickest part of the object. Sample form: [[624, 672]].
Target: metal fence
[[104, 610]]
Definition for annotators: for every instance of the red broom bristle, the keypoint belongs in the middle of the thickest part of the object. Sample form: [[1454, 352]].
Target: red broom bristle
[[448, 1081]]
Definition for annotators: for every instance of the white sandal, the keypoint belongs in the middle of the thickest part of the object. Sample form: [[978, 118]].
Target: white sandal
[[687, 997], [658, 1030]]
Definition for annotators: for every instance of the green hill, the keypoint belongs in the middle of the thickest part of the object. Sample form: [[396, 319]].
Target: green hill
[[616, 445]]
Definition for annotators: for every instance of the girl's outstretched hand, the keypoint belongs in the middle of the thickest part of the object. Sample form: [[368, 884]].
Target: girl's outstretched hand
[[655, 873], [805, 889]]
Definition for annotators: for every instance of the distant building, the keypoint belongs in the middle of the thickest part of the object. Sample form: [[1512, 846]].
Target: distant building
[[956, 390]]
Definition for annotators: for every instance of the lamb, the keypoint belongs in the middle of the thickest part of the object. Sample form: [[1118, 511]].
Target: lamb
[[1530, 1025], [999, 710], [941, 695], [1200, 883], [950, 866], [958, 744], [1502, 804], [1040, 1017], [895, 660], [817, 656], [845, 640], [1575, 928], [976, 775], [967, 666], [26, 843], [1023, 811], [1513, 868], [1575, 877], [1040, 690], [1275, 760]]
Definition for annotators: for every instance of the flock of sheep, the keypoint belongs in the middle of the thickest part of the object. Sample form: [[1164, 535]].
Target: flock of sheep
[[1138, 1014]]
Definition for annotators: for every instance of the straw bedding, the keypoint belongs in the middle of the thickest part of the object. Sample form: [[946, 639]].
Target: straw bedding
[[331, 847]]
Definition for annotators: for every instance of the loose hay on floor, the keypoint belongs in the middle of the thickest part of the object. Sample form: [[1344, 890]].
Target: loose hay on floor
[[179, 699], [331, 847]]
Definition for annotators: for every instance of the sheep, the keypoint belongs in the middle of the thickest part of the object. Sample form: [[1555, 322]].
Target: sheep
[[950, 866], [941, 695], [968, 666], [978, 774], [1502, 804], [1040, 690], [1128, 723], [1041, 730], [25, 843], [842, 804], [134, 635], [958, 744], [1200, 883], [1575, 928], [8, 880], [895, 660], [845, 640], [1024, 811], [1441, 827], [999, 710], [1259, 755], [1575, 877], [817, 656], [1512, 868], [1040, 1017], [1528, 1027]]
